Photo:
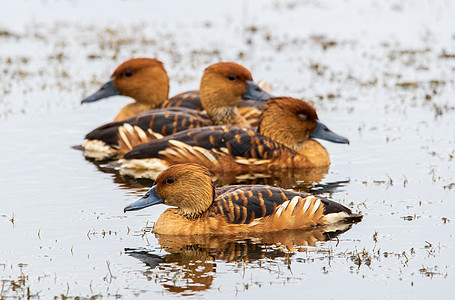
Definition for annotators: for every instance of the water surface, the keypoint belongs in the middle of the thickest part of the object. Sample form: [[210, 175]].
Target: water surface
[[380, 73]]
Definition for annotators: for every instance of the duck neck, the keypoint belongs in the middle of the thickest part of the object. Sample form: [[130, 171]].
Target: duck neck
[[281, 133], [196, 204], [226, 116], [132, 109], [220, 105], [314, 152], [151, 98]]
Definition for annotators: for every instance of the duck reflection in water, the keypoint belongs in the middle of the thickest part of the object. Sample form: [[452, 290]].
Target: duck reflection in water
[[190, 264], [301, 180]]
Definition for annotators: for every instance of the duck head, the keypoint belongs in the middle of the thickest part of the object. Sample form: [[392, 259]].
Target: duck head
[[292, 122], [143, 79], [187, 186], [225, 85]]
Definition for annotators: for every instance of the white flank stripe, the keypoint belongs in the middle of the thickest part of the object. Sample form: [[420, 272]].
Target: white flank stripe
[[284, 205], [180, 147], [279, 211], [155, 134], [168, 151], [224, 149], [181, 151], [206, 153], [255, 222], [140, 133], [242, 161], [128, 127], [307, 204], [317, 203], [177, 143], [209, 155], [294, 202], [192, 151], [124, 138]]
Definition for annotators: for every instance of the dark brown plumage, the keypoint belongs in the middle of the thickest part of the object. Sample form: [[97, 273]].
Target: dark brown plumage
[[189, 99]]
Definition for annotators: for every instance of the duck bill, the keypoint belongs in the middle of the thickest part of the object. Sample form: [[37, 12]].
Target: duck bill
[[150, 198], [107, 90], [254, 92], [324, 133]]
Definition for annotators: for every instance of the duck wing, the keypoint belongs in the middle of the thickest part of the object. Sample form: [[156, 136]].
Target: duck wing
[[143, 127], [234, 141], [244, 204], [188, 99]]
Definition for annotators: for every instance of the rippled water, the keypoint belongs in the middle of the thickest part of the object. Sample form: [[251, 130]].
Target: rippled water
[[380, 73]]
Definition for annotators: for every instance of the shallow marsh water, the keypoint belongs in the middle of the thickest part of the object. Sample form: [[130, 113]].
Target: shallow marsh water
[[380, 73]]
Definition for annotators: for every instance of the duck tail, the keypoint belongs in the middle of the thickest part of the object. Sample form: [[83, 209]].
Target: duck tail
[[353, 218]]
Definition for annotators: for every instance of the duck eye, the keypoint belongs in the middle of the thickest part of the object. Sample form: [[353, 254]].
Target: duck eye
[[128, 73], [302, 117], [231, 77], [170, 180]]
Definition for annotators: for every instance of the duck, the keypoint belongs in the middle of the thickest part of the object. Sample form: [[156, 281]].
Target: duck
[[143, 79], [199, 208], [224, 85], [284, 139]]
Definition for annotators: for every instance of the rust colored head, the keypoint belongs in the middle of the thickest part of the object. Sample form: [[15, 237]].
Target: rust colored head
[[225, 85], [143, 79], [288, 120], [292, 121], [186, 186]]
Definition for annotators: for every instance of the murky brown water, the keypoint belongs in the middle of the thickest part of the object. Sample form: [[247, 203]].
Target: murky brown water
[[380, 73]]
